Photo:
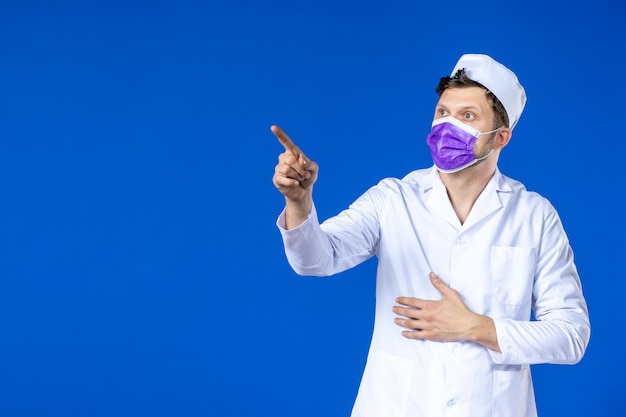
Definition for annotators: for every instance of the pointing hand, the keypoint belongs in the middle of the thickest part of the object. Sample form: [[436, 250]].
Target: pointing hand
[[294, 174]]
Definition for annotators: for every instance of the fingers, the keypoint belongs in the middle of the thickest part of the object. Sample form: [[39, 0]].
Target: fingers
[[445, 319], [287, 176], [414, 320], [299, 160], [407, 312], [420, 334], [294, 168], [441, 286], [414, 324], [415, 312], [410, 301], [291, 171], [411, 317], [418, 303], [290, 147], [437, 282], [286, 141]]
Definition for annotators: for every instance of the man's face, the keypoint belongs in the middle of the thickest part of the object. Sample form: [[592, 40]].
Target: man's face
[[470, 106], [467, 104]]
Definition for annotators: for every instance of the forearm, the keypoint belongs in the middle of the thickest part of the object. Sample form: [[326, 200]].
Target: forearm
[[307, 247], [484, 333], [535, 342], [297, 211]]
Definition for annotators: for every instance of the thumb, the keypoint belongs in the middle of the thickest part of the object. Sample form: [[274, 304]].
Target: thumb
[[439, 284]]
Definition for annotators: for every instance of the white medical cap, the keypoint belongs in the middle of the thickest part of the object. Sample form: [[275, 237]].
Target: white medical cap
[[498, 79]]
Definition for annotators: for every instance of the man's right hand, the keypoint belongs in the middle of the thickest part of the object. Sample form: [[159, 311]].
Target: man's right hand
[[295, 174], [294, 177]]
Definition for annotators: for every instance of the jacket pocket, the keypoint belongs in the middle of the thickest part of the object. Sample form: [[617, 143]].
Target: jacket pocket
[[513, 392], [512, 273], [384, 390]]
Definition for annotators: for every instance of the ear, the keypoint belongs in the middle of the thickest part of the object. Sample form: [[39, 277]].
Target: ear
[[503, 136]]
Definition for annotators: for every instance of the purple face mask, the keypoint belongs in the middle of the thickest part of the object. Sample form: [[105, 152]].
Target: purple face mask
[[452, 144]]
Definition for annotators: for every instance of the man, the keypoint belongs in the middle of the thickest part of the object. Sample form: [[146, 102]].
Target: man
[[465, 255]]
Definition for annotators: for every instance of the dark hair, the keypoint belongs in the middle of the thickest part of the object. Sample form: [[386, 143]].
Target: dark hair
[[460, 80]]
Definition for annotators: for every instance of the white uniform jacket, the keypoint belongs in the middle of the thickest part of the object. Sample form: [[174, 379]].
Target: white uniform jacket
[[510, 257]]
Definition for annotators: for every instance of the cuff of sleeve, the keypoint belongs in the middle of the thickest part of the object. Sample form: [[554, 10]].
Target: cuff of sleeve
[[306, 246], [504, 342], [281, 222]]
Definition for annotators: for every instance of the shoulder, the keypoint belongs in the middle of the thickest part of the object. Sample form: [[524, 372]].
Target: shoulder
[[418, 179], [392, 191], [525, 199]]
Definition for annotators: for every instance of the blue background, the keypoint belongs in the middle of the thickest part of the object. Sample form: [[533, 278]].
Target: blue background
[[141, 272]]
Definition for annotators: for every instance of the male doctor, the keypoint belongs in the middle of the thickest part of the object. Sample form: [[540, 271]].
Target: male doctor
[[465, 254]]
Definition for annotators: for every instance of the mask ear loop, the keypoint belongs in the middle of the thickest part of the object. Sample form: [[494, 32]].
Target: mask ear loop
[[491, 131], [490, 152]]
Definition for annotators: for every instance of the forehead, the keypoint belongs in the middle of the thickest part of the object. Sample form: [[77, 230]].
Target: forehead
[[465, 97]]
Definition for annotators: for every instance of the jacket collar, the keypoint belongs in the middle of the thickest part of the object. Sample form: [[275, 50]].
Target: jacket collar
[[488, 201]]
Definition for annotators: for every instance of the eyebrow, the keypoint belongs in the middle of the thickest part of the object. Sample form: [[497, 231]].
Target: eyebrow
[[466, 107]]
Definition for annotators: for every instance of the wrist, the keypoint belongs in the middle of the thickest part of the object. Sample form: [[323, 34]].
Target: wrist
[[484, 332], [297, 211]]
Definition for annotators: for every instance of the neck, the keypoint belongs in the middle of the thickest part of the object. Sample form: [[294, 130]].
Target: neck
[[465, 186]]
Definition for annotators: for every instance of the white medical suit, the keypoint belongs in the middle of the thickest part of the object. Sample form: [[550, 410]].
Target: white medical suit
[[510, 256]]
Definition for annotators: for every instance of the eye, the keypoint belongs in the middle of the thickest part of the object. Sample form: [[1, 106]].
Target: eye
[[441, 112], [468, 116]]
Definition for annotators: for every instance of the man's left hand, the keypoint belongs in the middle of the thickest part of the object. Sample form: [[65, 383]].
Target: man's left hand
[[448, 319]]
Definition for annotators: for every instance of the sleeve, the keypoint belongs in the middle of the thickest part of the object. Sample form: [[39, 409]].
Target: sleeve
[[307, 249], [339, 243], [561, 330]]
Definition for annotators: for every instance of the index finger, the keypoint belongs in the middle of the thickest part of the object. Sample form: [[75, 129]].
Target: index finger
[[409, 301], [285, 140]]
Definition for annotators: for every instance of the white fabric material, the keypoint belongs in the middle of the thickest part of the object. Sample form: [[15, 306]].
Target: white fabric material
[[463, 126], [500, 80], [511, 256]]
